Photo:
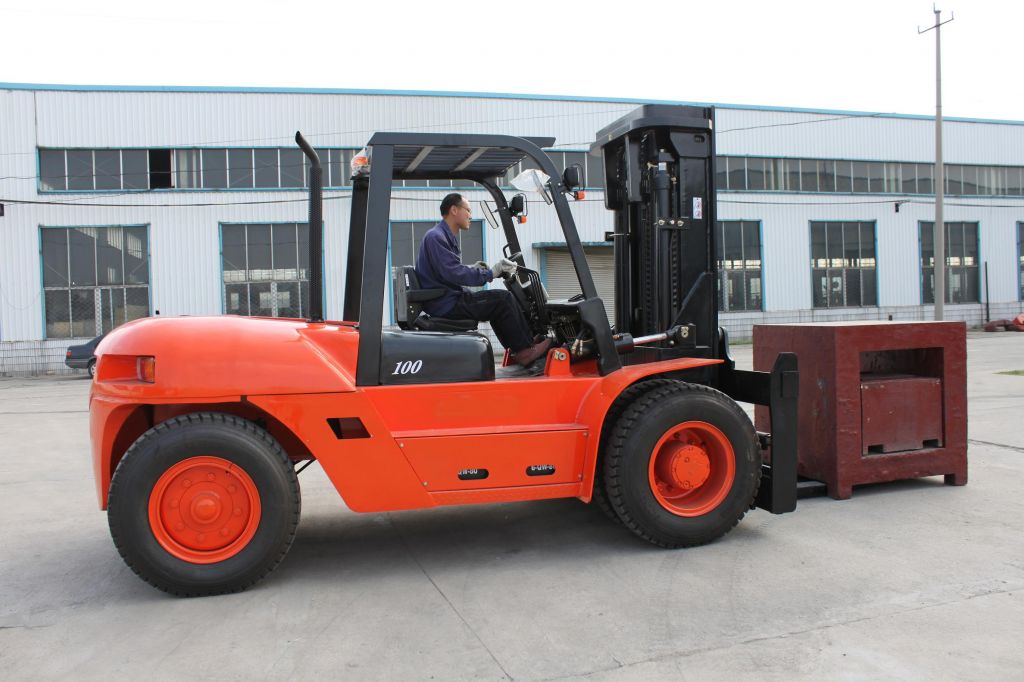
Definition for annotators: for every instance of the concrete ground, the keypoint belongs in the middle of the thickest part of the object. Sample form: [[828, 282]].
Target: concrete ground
[[911, 580]]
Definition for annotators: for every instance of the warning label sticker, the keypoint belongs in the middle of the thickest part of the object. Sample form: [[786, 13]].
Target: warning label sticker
[[698, 208]]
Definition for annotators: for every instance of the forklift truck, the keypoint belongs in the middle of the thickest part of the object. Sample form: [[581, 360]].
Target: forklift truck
[[200, 425]]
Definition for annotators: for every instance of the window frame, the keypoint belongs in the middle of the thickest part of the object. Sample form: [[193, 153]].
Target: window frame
[[721, 295], [96, 288], [1020, 260], [947, 271], [844, 269], [333, 162], [889, 178], [273, 280]]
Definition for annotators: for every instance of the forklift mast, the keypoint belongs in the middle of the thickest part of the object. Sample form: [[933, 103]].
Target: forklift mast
[[659, 182]]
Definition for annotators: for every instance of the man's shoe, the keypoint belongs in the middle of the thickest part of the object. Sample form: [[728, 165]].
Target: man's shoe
[[528, 356]]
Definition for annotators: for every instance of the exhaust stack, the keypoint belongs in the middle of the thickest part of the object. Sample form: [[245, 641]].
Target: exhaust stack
[[316, 230]]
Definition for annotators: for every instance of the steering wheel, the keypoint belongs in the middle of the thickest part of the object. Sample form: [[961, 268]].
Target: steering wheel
[[530, 296]]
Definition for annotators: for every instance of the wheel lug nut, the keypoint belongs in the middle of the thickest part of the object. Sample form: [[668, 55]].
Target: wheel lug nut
[[180, 526], [232, 489], [187, 483], [210, 477], [174, 504], [238, 511], [223, 531], [201, 537]]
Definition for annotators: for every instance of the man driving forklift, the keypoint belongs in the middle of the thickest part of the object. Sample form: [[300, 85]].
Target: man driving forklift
[[439, 265]]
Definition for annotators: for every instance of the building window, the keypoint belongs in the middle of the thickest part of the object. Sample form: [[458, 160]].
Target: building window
[[1020, 258], [738, 252], [265, 269], [90, 170], [94, 279], [753, 174], [961, 243], [843, 264]]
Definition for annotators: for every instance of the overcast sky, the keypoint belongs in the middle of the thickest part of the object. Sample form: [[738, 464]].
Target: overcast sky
[[864, 55]]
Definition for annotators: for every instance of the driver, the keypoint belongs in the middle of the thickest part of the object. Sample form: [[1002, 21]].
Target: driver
[[439, 266]]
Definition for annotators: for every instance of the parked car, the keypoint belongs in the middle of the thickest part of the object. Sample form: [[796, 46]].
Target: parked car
[[83, 356]]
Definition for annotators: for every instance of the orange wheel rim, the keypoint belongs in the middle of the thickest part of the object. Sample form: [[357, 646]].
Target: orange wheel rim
[[692, 468], [204, 509]]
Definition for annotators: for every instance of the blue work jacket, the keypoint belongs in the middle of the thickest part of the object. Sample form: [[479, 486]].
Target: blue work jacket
[[439, 266]]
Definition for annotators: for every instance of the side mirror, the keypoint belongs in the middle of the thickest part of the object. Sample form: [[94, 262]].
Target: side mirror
[[572, 177], [492, 220], [517, 207]]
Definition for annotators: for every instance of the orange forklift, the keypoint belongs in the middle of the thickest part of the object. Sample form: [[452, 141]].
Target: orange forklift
[[200, 425]]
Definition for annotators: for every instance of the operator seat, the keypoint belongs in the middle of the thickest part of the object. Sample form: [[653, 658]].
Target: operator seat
[[409, 300]]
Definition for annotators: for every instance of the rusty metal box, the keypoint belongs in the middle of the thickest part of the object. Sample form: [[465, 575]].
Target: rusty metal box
[[879, 401]]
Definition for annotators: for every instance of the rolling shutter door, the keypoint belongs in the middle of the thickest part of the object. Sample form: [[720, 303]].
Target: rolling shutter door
[[561, 277]]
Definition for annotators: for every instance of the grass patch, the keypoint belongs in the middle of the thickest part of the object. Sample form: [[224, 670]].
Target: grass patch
[[1013, 372]]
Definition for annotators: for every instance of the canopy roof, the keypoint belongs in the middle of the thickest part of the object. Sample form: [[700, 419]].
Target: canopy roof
[[433, 155]]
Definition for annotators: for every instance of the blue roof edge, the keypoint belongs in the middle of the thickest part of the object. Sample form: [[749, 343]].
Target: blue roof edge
[[481, 95]]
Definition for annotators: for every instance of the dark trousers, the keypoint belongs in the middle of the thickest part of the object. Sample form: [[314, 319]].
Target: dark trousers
[[498, 307]]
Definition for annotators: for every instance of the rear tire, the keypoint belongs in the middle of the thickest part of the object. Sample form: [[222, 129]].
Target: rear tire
[[92, 369], [204, 503], [682, 465]]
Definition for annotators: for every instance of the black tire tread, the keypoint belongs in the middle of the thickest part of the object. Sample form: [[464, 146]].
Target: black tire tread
[[208, 418], [619, 405], [615, 455]]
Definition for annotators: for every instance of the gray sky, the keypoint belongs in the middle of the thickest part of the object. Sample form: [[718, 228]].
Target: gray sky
[[863, 55]]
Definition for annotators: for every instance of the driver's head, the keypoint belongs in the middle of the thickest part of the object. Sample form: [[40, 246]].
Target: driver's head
[[456, 212]]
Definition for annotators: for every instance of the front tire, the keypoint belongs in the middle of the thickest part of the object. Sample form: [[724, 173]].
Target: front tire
[[204, 503], [682, 465]]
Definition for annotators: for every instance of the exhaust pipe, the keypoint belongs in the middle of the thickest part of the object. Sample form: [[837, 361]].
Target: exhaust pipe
[[316, 230]]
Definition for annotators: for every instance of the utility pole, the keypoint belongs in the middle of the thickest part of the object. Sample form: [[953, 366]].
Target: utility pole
[[939, 233]]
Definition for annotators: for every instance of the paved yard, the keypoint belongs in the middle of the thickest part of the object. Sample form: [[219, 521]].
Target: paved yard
[[911, 580]]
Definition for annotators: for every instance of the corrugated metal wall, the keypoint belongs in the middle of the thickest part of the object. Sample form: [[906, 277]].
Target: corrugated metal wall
[[185, 239]]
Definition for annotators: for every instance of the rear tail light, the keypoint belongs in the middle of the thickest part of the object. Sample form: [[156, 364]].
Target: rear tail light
[[146, 365], [68, 354]]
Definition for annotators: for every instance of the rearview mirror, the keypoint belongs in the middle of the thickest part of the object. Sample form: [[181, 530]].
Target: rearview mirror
[[492, 220]]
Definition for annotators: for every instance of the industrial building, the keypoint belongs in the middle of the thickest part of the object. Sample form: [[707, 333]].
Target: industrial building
[[123, 202]]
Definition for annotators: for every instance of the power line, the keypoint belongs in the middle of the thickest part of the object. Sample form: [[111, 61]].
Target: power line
[[867, 202], [800, 123]]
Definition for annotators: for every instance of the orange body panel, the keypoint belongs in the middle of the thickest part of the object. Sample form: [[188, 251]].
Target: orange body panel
[[509, 460], [417, 438]]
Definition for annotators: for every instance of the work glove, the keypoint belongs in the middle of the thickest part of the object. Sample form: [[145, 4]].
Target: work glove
[[503, 268], [481, 264]]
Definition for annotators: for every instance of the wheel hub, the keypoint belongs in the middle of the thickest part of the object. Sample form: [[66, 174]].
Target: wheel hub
[[683, 466], [204, 509], [692, 468]]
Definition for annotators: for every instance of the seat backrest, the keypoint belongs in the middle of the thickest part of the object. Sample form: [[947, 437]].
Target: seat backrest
[[405, 280]]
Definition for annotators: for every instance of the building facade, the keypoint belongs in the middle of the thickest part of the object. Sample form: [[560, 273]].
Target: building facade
[[126, 202]]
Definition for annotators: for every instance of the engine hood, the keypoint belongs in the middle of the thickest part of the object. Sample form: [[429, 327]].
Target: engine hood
[[206, 357]]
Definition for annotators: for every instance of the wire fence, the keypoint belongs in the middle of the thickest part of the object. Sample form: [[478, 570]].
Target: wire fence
[[36, 358]]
